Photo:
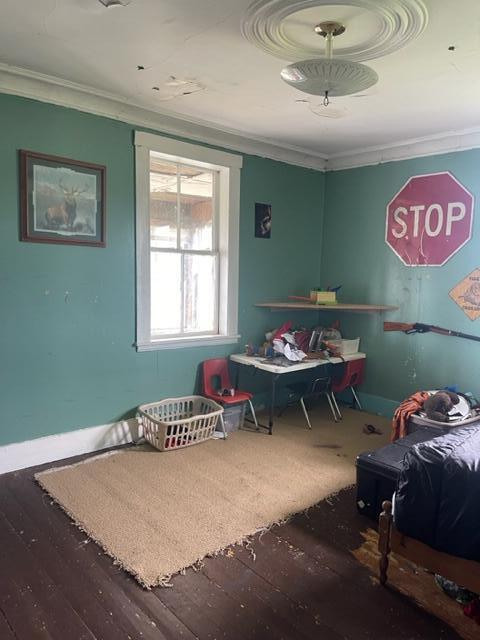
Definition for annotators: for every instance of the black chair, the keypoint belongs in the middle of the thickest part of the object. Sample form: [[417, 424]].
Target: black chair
[[302, 391]]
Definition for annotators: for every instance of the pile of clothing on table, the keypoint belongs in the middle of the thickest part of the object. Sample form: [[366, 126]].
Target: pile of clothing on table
[[297, 344]]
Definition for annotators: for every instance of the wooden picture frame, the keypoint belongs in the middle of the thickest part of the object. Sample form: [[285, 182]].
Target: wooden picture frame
[[62, 201]]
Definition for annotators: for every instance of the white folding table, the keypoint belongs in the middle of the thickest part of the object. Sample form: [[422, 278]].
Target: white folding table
[[277, 370]]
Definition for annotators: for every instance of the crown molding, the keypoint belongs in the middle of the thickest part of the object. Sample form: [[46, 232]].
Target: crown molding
[[53, 90], [437, 144], [38, 86]]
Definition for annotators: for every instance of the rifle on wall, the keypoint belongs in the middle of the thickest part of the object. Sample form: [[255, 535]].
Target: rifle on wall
[[418, 327]]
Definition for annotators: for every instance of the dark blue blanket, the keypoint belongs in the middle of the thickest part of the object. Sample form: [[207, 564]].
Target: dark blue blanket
[[438, 493]]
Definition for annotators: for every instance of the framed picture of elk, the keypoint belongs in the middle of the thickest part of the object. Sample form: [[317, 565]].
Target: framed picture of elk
[[61, 200]]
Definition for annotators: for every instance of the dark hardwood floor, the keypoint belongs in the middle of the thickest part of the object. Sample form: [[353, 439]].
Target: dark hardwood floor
[[296, 582]]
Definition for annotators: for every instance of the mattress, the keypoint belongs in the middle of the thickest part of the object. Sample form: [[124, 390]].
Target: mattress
[[437, 500], [378, 471]]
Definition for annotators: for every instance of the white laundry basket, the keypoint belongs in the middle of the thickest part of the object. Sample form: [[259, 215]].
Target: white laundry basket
[[175, 423]]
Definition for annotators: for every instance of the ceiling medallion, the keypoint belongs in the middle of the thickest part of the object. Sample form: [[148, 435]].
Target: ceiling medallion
[[397, 22]]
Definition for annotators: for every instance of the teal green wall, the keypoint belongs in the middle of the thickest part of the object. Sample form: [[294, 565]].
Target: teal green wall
[[68, 313], [355, 255]]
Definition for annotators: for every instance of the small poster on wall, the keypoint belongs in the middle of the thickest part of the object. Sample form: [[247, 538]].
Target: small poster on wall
[[467, 295], [429, 220], [263, 220]]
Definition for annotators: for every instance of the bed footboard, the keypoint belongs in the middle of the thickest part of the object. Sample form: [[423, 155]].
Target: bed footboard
[[465, 573]]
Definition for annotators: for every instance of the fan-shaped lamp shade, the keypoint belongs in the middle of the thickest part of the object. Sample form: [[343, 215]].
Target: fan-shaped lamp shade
[[115, 3], [327, 76]]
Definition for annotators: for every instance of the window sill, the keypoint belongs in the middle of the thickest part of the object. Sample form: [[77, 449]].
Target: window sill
[[181, 343]]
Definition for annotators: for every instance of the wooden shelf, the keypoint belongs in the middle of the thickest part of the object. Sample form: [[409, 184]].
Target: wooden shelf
[[305, 306]]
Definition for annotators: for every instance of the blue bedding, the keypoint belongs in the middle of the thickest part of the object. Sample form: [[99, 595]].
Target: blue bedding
[[438, 493]]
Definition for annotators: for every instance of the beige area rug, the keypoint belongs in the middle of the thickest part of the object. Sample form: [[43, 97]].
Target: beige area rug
[[418, 584], [158, 513]]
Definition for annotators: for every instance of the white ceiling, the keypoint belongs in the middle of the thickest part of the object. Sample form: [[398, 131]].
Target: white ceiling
[[423, 90]]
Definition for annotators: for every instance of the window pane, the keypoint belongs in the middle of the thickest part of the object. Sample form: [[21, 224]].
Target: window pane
[[196, 208], [165, 305], [163, 203], [200, 293]]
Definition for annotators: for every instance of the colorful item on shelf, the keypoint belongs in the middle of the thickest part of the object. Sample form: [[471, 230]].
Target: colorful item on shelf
[[317, 296], [320, 296]]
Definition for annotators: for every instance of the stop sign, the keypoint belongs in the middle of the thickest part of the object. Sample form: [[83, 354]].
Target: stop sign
[[429, 219]]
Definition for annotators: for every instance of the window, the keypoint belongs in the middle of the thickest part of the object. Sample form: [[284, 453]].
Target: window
[[187, 243]]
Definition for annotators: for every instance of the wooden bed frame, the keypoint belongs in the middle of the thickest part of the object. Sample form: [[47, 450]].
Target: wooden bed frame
[[465, 573]]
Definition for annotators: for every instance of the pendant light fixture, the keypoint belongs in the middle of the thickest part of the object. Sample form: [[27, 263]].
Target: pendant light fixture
[[328, 76], [115, 3]]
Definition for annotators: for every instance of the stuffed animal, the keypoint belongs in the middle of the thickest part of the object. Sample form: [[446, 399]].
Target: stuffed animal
[[437, 406]]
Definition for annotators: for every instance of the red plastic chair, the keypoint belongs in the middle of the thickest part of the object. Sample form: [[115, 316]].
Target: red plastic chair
[[352, 377], [217, 370]]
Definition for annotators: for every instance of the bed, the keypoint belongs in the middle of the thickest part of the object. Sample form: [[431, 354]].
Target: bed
[[435, 518]]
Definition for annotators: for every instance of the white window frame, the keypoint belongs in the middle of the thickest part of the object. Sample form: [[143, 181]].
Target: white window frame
[[228, 166]]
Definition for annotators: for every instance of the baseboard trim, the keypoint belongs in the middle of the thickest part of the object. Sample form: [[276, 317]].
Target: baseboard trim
[[21, 455], [372, 404], [376, 404]]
